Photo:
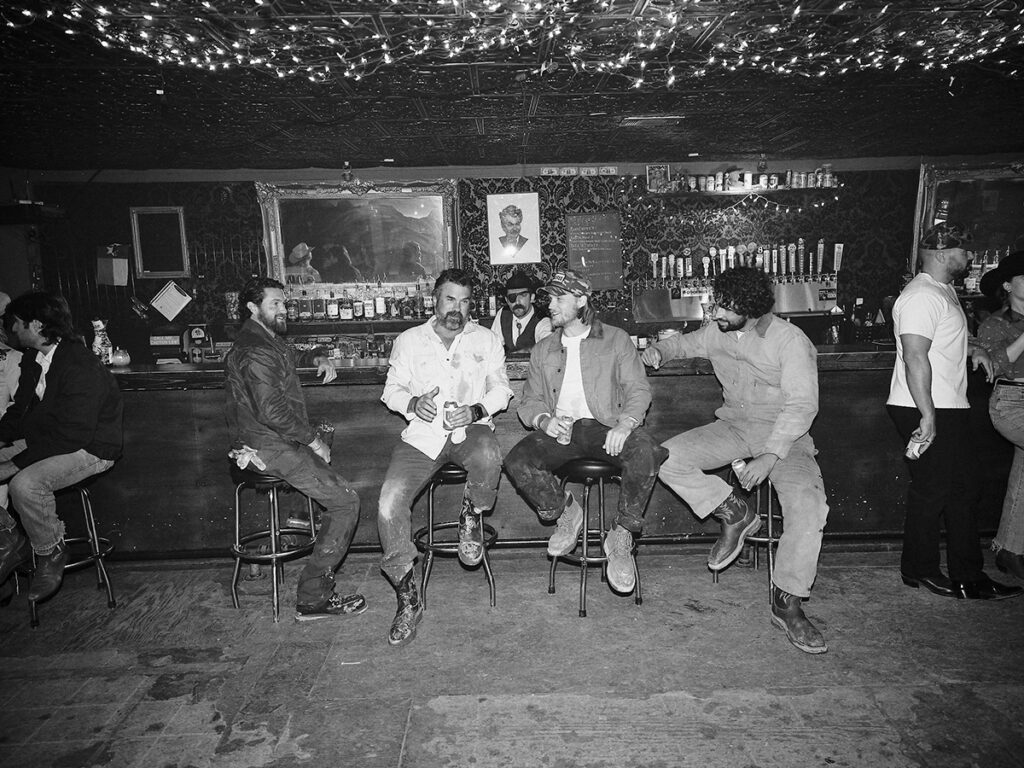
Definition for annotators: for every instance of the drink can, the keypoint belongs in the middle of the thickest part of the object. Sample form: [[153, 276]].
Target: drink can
[[719, 181], [738, 465], [915, 448], [449, 411], [762, 181], [567, 422]]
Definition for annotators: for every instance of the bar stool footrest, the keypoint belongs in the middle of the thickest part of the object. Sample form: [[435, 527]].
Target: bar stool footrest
[[448, 547], [268, 558]]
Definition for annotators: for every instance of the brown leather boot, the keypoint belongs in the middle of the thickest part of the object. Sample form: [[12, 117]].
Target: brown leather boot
[[788, 615], [738, 522], [14, 551], [410, 611], [49, 573]]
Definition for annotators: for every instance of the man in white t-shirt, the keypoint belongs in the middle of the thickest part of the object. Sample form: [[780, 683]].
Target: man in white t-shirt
[[928, 403], [586, 386]]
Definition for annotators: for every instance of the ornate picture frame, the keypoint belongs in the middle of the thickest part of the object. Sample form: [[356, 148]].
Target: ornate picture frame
[[357, 232], [158, 240]]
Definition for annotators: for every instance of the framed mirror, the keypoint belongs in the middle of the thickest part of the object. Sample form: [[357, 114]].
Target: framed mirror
[[158, 238], [357, 232], [987, 200]]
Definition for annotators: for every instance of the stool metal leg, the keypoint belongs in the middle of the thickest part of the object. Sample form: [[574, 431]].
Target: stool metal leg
[[275, 565], [428, 558], [102, 580], [586, 552], [238, 544]]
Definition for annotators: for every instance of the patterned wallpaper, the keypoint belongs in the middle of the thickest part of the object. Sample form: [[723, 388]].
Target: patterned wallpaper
[[873, 218]]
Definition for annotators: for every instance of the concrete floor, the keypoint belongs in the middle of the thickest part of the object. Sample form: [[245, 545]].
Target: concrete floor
[[696, 676]]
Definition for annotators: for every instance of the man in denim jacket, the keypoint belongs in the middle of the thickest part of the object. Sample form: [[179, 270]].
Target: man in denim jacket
[[587, 386]]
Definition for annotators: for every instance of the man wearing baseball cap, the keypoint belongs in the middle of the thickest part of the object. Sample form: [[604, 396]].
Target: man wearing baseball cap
[[585, 396], [519, 325]]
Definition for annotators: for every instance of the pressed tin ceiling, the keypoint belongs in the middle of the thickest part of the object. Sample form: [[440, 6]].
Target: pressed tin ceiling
[[133, 84]]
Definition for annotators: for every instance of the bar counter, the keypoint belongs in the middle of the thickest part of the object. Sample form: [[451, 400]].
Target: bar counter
[[171, 496]]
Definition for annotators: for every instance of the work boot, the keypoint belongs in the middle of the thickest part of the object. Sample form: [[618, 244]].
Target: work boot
[[410, 611], [471, 535], [788, 615], [14, 550], [738, 522], [618, 547], [49, 572], [570, 523], [331, 605]]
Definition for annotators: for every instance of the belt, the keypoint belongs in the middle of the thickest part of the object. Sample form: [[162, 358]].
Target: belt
[[1009, 383]]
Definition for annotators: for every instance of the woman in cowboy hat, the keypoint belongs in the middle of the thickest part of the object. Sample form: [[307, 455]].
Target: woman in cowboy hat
[[1002, 334]]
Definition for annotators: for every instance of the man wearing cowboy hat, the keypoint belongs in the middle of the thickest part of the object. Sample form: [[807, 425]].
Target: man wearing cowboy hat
[[928, 403], [519, 325]]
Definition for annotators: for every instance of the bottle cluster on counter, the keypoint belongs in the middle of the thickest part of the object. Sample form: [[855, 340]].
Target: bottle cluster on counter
[[345, 350], [981, 262], [692, 272], [319, 303]]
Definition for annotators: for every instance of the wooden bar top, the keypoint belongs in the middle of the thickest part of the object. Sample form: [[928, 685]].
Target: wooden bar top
[[188, 376]]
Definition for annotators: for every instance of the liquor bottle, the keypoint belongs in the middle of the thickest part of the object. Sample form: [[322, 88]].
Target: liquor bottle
[[358, 307], [394, 303], [345, 311], [291, 306], [492, 305], [305, 308], [333, 307], [369, 305], [428, 303], [319, 305], [380, 305]]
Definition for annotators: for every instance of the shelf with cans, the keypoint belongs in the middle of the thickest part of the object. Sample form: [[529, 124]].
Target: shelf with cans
[[735, 181], [680, 286]]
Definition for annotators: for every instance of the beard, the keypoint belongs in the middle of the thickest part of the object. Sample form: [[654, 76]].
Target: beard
[[454, 321], [277, 323], [961, 272], [731, 325]]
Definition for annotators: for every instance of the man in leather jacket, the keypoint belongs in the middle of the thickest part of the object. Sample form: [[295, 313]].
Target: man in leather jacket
[[266, 412]]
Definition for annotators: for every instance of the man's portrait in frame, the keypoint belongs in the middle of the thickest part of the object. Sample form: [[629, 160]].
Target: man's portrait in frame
[[513, 224]]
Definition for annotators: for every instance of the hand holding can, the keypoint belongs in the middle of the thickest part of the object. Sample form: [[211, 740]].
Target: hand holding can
[[916, 447], [449, 411], [565, 435]]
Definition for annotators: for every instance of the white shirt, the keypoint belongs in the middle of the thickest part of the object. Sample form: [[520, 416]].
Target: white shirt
[[931, 309], [542, 330], [470, 371], [44, 359], [10, 372], [572, 400]]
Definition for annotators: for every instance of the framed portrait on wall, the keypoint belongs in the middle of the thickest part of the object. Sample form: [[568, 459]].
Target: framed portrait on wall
[[657, 177], [513, 228], [358, 233]]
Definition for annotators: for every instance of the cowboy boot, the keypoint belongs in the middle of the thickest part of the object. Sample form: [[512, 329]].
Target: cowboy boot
[[49, 572], [738, 521], [788, 616], [410, 611]]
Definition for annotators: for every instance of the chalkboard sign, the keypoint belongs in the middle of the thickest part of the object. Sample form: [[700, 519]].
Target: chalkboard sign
[[158, 233], [594, 246]]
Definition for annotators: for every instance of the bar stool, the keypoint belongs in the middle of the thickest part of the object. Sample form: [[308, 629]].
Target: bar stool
[[99, 548], [262, 482], [448, 474], [588, 472], [767, 507]]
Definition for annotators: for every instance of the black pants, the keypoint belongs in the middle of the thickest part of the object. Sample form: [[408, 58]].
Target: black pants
[[943, 484]]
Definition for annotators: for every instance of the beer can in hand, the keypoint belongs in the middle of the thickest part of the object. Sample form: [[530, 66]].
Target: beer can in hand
[[565, 437], [738, 465], [915, 448], [448, 413]]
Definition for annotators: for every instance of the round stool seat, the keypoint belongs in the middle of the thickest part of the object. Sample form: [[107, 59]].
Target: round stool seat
[[581, 470], [450, 473], [254, 477]]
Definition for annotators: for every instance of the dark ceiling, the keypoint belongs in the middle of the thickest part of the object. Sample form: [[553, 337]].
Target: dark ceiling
[[727, 80]]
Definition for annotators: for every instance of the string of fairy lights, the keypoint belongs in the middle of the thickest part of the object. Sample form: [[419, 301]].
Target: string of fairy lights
[[650, 42]]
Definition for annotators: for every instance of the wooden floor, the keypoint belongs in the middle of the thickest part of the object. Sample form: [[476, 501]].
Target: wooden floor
[[696, 676]]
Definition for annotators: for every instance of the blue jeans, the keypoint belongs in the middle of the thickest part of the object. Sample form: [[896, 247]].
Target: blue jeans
[[533, 461], [1006, 407], [32, 490], [797, 482], [410, 472], [307, 473]]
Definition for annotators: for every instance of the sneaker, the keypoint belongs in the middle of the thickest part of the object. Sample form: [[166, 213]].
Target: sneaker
[[570, 523], [618, 547], [335, 605], [471, 538]]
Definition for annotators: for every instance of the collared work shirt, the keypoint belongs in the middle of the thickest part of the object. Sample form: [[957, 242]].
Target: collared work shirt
[[999, 331], [470, 371], [769, 376]]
